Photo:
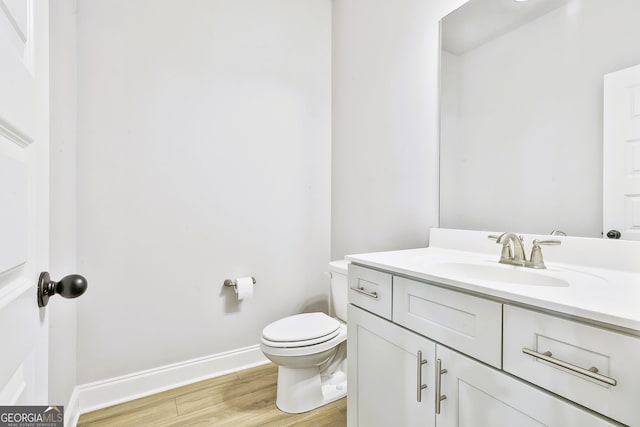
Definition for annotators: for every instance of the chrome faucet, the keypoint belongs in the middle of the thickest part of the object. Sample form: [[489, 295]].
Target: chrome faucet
[[513, 250]]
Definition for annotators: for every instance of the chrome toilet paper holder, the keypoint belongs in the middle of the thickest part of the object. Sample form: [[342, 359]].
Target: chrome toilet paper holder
[[232, 282]]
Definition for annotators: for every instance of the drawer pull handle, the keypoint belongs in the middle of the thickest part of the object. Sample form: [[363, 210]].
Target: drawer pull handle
[[591, 372], [439, 396], [361, 290], [419, 375]]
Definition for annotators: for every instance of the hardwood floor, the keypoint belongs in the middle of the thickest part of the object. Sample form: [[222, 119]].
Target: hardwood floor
[[245, 398]]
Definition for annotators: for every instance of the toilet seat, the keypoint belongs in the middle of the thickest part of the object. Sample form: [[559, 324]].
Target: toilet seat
[[302, 343], [300, 330], [295, 349]]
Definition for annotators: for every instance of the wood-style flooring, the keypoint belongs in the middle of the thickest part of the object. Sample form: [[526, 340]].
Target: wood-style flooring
[[245, 398]]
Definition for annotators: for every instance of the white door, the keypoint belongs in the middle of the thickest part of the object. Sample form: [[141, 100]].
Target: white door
[[24, 201], [477, 395], [385, 374], [621, 169]]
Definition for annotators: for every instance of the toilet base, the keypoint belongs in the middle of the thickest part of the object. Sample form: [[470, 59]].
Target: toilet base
[[301, 390]]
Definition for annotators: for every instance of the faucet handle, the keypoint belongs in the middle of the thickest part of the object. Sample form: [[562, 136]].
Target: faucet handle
[[546, 242], [536, 260]]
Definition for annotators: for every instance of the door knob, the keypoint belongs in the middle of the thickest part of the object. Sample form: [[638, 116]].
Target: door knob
[[71, 286], [613, 234]]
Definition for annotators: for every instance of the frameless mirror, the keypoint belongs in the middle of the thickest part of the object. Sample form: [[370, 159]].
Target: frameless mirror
[[521, 105]]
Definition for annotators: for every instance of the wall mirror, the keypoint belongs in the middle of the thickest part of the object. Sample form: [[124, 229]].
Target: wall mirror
[[521, 106]]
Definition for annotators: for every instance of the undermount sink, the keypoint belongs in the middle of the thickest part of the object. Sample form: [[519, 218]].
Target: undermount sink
[[496, 273]]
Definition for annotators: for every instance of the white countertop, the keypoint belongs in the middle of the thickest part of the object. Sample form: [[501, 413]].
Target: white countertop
[[606, 295]]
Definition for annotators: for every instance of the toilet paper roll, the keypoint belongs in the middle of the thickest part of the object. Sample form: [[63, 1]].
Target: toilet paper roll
[[244, 287]]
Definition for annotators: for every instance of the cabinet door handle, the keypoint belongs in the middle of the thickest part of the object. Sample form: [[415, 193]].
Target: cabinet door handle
[[439, 397], [419, 375], [361, 290], [591, 372]]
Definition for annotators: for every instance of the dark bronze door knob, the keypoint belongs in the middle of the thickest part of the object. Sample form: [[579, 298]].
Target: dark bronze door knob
[[613, 234], [71, 286]]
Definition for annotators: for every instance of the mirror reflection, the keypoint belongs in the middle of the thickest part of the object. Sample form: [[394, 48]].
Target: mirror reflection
[[521, 111]]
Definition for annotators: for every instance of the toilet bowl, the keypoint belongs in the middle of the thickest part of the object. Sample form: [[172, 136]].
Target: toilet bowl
[[310, 350]]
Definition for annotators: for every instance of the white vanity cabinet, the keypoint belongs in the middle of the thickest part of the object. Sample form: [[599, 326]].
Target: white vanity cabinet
[[414, 367], [386, 376], [478, 395], [587, 364]]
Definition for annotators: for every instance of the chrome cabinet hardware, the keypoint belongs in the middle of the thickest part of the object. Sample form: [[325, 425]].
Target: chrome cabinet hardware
[[591, 372], [419, 375], [439, 397], [361, 290]]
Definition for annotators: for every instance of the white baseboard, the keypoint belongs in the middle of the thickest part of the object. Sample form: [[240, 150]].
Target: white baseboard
[[102, 394], [72, 410]]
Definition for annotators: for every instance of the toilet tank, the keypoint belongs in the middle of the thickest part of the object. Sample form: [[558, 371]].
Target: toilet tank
[[339, 287]]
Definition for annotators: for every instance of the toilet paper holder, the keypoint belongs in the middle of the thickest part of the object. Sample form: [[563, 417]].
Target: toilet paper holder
[[230, 282]]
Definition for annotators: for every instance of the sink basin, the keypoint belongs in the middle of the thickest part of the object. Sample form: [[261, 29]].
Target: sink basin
[[496, 273]]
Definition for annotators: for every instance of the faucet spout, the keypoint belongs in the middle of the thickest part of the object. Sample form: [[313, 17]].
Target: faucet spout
[[513, 241]]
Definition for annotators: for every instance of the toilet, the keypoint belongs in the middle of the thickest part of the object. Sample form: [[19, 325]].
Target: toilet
[[310, 350]]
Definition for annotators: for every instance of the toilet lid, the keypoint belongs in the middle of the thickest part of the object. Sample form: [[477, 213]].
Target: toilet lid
[[301, 327]]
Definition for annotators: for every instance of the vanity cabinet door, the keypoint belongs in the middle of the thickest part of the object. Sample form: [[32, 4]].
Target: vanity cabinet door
[[384, 373], [477, 395]]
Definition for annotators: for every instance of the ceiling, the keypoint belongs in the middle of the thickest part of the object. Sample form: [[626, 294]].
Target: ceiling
[[479, 21]]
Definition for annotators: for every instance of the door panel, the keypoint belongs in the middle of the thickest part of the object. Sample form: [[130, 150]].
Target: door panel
[[621, 169], [17, 79], [23, 330], [13, 215], [24, 160]]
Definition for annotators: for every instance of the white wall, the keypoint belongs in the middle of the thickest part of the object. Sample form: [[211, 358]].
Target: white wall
[[528, 151], [385, 126], [203, 154], [63, 215]]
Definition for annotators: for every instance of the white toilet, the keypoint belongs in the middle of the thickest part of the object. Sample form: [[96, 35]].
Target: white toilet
[[310, 350]]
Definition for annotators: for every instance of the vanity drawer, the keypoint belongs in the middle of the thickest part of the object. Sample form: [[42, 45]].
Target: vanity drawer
[[466, 323], [371, 290], [571, 347]]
